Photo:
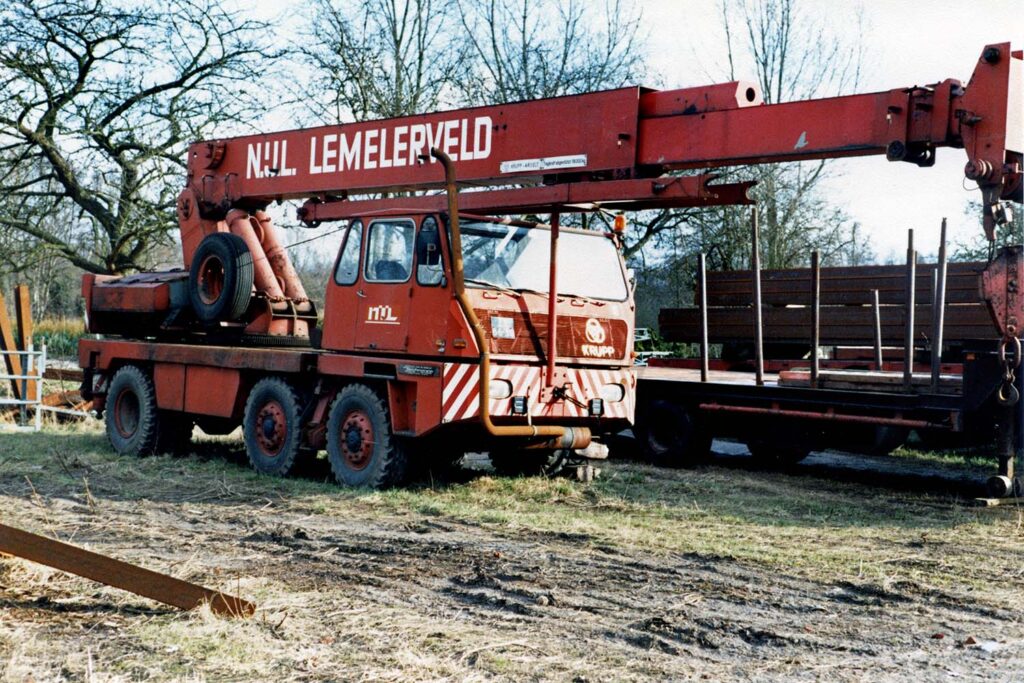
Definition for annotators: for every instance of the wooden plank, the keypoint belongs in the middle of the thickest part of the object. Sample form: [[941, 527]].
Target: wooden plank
[[996, 502], [850, 325], [12, 360], [844, 286], [64, 374], [23, 314], [129, 577], [868, 379]]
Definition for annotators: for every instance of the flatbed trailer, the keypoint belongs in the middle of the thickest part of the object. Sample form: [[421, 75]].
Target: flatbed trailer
[[951, 390]]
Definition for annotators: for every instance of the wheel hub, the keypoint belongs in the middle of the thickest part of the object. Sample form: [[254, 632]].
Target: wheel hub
[[126, 413], [357, 439], [271, 428], [211, 279]]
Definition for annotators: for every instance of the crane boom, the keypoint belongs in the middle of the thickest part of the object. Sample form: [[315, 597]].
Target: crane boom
[[624, 134]]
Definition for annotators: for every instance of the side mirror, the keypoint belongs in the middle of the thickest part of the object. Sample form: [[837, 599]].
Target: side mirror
[[428, 246]]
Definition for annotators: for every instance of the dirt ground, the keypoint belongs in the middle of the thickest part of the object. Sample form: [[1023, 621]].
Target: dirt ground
[[721, 573]]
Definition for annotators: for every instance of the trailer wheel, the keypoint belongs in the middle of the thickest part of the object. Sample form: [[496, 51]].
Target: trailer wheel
[[272, 426], [132, 418], [221, 277], [771, 453], [361, 447], [524, 462], [672, 437]]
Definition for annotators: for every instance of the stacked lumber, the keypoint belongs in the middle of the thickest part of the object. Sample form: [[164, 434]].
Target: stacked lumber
[[847, 315]]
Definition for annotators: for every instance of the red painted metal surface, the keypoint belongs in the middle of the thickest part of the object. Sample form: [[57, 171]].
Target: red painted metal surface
[[512, 143], [1001, 286], [615, 135], [169, 381], [618, 195]]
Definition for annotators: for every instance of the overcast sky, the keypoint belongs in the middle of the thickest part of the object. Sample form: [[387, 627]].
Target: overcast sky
[[907, 42]]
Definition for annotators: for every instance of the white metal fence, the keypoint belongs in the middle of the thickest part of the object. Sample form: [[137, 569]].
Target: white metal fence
[[31, 407]]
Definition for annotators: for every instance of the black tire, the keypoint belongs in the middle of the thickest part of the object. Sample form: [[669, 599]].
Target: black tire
[[773, 454], [272, 427], [220, 278], [361, 447], [132, 418], [884, 439], [527, 463], [672, 436]]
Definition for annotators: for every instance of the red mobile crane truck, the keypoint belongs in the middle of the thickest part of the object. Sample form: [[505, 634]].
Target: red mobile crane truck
[[446, 327]]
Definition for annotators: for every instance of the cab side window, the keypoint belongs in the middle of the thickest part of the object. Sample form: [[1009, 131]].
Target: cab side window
[[347, 271], [429, 268], [389, 251]]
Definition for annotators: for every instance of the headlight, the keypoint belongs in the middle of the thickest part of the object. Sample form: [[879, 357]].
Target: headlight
[[613, 393], [500, 388]]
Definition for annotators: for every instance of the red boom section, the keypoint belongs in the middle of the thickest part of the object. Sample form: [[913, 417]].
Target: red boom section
[[629, 133]]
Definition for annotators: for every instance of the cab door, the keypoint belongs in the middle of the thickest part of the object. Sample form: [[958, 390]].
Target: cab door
[[432, 295], [340, 307], [383, 294]]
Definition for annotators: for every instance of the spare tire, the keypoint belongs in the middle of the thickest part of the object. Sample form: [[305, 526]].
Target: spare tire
[[220, 279]]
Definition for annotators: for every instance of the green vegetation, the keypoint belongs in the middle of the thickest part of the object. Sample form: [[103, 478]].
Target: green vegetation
[[480, 576], [60, 335]]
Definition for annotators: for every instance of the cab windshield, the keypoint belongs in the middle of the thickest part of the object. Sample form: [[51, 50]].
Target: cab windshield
[[517, 258]]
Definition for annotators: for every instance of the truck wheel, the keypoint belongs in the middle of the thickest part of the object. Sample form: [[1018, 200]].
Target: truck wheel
[[671, 436], [132, 418], [528, 463], [360, 445], [220, 279], [272, 426]]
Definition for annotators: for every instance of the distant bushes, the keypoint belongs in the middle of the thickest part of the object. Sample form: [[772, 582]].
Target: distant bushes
[[60, 336]]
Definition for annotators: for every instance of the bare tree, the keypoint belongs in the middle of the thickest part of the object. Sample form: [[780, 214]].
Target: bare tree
[[380, 58], [978, 248], [529, 49], [100, 102], [793, 54]]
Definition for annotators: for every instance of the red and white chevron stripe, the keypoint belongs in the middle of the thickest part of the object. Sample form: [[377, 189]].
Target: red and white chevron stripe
[[460, 397]]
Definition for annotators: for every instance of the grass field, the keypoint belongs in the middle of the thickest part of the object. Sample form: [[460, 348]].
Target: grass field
[[721, 573]]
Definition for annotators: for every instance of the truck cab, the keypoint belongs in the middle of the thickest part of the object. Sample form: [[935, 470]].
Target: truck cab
[[392, 291]]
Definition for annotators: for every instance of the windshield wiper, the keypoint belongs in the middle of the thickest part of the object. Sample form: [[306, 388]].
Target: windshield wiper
[[487, 283]]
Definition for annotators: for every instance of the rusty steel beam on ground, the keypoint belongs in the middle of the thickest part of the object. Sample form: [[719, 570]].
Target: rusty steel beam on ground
[[129, 577]]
